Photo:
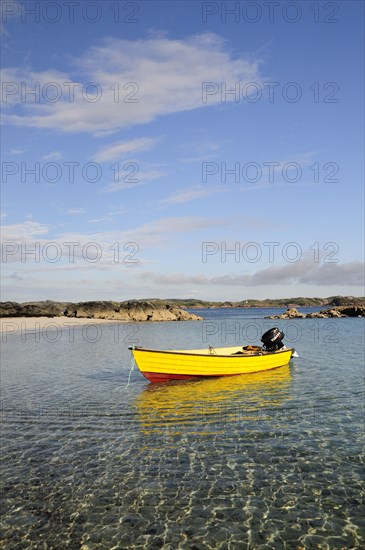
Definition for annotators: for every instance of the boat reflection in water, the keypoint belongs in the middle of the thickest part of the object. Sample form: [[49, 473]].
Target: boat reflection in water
[[208, 405]]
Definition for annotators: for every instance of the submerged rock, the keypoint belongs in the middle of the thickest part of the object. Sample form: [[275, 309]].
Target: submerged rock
[[132, 310], [290, 313]]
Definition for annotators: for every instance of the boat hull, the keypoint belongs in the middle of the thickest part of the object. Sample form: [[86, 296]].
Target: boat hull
[[162, 366]]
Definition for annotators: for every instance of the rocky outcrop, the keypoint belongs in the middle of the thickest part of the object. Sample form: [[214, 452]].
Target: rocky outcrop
[[10, 309], [326, 314], [133, 310], [290, 313], [332, 313], [352, 311], [32, 309]]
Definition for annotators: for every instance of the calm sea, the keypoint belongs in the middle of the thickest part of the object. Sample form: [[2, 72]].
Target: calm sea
[[96, 457]]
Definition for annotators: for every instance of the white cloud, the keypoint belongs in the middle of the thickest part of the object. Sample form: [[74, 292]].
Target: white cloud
[[22, 231], [137, 80]]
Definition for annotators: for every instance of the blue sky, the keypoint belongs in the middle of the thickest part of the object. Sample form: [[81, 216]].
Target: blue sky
[[182, 149]]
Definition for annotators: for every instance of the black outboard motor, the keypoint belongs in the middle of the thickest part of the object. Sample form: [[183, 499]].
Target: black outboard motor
[[272, 339]]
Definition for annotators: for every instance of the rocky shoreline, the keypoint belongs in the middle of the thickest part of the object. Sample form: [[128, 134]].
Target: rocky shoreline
[[131, 310], [332, 313], [146, 310]]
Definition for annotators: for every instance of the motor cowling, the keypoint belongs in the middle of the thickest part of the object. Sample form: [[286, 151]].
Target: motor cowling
[[273, 339]]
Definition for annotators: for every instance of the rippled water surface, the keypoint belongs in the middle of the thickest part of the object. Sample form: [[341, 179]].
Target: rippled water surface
[[96, 457]]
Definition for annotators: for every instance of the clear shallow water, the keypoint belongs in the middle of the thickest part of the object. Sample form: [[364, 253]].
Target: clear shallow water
[[93, 456]]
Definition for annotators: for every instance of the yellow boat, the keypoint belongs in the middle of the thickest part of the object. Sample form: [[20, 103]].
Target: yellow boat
[[165, 365]]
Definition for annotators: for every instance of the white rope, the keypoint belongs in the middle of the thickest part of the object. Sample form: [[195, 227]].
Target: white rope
[[132, 364]]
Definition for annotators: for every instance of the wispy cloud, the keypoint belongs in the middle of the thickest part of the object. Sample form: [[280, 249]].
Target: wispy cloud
[[187, 195], [16, 151], [122, 149], [30, 237], [204, 151], [303, 272], [53, 155], [75, 211], [105, 219], [133, 178], [110, 216]]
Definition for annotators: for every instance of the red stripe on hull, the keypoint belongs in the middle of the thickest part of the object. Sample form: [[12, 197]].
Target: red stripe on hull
[[161, 377]]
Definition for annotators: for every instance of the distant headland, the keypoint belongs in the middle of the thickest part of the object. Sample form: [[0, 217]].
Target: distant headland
[[193, 303]]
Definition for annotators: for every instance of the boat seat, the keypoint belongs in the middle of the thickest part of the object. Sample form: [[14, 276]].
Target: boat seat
[[246, 352]]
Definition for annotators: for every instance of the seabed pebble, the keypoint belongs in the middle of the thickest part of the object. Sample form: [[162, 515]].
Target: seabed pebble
[[275, 463]]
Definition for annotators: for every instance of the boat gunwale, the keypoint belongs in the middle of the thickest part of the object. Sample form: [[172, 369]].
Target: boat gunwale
[[235, 355]]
